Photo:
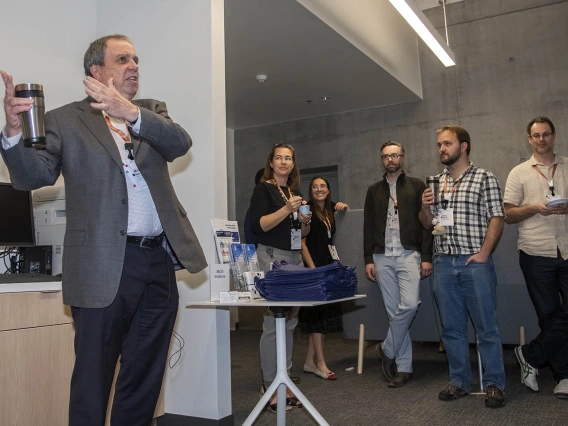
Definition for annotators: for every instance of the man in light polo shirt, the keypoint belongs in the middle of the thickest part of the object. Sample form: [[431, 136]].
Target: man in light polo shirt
[[535, 198]]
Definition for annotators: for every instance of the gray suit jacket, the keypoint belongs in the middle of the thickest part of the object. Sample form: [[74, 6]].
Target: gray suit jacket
[[81, 147]]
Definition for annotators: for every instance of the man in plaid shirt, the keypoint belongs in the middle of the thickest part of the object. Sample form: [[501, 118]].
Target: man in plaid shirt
[[469, 222]]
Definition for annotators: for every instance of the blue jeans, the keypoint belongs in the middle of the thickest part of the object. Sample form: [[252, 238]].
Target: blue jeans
[[461, 290]]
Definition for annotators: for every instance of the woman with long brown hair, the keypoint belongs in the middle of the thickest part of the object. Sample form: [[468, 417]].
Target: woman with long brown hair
[[279, 228], [318, 250]]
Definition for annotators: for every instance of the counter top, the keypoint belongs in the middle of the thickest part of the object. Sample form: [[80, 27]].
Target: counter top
[[53, 286]]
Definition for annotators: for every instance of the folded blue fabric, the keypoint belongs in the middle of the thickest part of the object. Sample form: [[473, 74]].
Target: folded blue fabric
[[287, 282]]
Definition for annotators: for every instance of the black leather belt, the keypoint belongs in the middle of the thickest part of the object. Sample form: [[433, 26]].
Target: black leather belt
[[148, 242]]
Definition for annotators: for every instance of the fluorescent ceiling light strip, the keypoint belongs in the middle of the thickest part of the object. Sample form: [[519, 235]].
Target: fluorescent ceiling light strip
[[425, 30]]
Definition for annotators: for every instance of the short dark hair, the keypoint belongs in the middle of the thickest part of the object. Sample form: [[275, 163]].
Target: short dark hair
[[540, 119], [95, 54], [461, 134], [393, 143]]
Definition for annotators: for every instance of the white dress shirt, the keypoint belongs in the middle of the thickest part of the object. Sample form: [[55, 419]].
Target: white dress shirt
[[143, 217]]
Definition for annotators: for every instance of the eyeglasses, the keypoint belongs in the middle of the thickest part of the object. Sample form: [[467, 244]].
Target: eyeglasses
[[545, 135], [393, 156], [316, 187]]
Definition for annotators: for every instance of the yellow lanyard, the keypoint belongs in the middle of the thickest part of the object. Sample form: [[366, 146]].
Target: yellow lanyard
[[282, 192], [327, 224], [291, 216]]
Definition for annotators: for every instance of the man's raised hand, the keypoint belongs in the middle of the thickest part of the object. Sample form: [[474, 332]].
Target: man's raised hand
[[13, 106], [110, 100]]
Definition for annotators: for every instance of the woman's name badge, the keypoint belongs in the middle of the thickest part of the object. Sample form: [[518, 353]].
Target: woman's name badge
[[446, 217], [296, 239], [333, 252]]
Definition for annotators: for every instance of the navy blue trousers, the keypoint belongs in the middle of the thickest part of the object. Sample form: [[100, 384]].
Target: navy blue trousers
[[137, 326], [547, 284]]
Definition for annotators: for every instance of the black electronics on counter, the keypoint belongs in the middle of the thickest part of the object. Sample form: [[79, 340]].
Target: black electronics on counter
[[36, 260]]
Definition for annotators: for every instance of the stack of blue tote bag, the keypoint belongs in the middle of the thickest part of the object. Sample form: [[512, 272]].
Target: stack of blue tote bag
[[295, 283]]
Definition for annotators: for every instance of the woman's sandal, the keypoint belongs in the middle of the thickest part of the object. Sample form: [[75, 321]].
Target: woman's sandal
[[273, 407], [291, 402]]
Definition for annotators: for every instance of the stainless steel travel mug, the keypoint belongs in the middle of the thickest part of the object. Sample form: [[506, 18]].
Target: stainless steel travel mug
[[433, 183], [32, 121]]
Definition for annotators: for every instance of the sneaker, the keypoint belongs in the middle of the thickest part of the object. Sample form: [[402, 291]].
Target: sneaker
[[561, 389], [494, 397], [528, 373], [387, 364], [451, 392]]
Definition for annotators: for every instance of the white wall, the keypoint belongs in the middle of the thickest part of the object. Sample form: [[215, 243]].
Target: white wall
[[182, 61], [181, 48], [44, 42], [51, 56]]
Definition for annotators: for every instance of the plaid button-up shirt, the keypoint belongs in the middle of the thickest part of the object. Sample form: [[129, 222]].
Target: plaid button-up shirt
[[475, 200]]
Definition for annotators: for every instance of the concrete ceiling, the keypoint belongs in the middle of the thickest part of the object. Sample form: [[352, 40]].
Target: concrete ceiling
[[428, 4], [305, 59]]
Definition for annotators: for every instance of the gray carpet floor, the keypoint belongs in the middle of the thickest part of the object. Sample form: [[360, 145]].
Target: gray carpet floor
[[365, 399]]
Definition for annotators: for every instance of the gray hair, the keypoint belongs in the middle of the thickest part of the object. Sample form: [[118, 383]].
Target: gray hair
[[393, 143], [95, 54]]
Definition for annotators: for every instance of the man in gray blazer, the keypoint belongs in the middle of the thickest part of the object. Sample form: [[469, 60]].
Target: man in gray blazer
[[126, 229]]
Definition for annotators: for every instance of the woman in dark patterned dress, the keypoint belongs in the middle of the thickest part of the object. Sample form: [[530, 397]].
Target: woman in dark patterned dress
[[324, 319]]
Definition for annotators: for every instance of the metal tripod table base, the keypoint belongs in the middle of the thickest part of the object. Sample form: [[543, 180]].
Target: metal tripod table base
[[282, 380]]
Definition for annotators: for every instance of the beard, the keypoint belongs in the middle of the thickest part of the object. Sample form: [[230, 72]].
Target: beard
[[393, 168], [451, 159]]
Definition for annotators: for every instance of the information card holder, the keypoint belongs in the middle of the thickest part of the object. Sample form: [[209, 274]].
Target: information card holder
[[219, 274]]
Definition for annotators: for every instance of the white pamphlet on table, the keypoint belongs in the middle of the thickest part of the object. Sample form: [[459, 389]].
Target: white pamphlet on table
[[225, 233], [219, 278]]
